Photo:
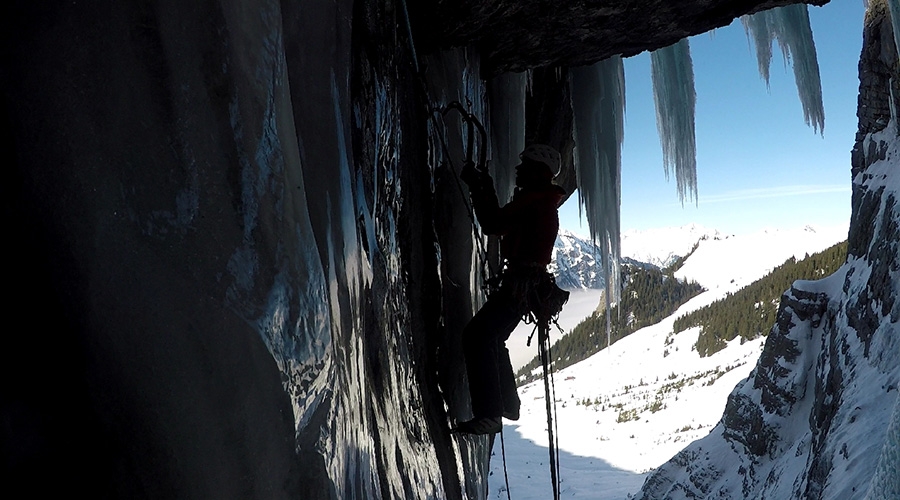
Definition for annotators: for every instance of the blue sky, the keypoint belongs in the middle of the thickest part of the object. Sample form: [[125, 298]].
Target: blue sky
[[758, 164]]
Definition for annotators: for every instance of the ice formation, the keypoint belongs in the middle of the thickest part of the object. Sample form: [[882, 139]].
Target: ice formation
[[672, 72], [790, 26], [507, 111], [598, 103]]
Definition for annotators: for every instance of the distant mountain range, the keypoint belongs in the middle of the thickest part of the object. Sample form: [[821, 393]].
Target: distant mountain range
[[576, 260], [662, 246]]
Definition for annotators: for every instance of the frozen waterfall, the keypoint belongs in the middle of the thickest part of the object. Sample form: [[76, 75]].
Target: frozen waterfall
[[790, 26], [672, 73], [598, 103]]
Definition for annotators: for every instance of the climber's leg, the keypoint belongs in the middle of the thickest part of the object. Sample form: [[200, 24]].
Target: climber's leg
[[486, 355]]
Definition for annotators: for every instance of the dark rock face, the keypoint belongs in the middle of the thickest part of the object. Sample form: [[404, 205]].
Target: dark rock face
[[875, 234], [877, 83], [781, 352], [743, 421], [240, 236]]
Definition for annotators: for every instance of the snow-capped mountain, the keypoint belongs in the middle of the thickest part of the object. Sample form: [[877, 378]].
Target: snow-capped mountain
[[576, 262]]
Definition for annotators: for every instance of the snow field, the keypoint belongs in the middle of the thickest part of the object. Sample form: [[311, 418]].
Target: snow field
[[630, 408]]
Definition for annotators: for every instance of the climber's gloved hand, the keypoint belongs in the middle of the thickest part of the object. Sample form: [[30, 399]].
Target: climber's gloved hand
[[472, 175]]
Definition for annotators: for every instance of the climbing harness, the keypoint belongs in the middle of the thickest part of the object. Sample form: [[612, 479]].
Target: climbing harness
[[545, 302]]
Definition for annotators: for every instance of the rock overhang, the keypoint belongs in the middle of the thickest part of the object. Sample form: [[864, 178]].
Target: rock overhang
[[520, 35]]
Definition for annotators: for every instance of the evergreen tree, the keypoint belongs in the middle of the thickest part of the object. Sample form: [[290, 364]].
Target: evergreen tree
[[750, 312]]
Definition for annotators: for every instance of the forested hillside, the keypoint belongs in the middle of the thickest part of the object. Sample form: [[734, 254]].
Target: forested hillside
[[650, 294], [750, 312]]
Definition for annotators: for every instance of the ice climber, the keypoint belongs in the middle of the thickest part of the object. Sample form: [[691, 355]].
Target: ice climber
[[527, 227]]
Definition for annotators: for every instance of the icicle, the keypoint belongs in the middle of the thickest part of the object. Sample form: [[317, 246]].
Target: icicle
[[672, 72], [790, 26], [507, 107], [758, 28], [598, 104]]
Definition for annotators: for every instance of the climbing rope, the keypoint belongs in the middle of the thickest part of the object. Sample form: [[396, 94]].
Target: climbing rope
[[505, 474], [550, 399]]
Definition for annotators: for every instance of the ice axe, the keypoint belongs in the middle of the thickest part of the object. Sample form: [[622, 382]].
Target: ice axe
[[472, 123]]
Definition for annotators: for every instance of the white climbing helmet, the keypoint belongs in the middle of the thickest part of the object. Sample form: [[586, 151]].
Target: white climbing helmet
[[545, 154]]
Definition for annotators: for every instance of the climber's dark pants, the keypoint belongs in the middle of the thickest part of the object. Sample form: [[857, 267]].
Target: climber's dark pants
[[492, 384]]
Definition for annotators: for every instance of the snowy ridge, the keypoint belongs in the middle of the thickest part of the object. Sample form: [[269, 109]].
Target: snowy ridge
[[576, 262], [736, 261], [662, 246]]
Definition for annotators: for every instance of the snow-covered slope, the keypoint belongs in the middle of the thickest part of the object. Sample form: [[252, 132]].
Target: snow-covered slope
[[733, 262], [626, 410], [722, 264]]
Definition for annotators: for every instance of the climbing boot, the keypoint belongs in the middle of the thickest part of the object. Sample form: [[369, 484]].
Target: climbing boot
[[511, 414], [483, 425]]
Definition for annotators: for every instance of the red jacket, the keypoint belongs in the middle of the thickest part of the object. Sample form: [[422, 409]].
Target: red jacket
[[527, 225]]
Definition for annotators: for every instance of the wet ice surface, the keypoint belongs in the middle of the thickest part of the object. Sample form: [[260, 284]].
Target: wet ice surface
[[627, 410]]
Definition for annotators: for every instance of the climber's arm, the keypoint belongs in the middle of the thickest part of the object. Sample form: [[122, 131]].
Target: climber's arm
[[493, 218]]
